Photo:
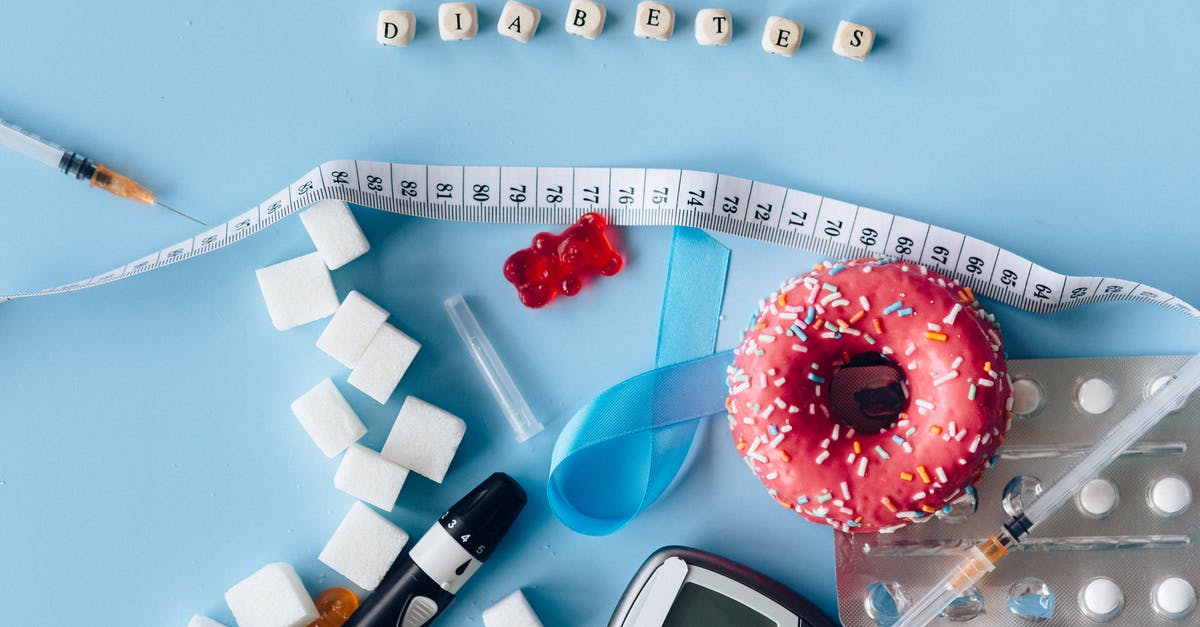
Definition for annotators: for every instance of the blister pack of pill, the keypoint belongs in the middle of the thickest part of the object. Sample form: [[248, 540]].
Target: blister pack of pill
[[1123, 552]]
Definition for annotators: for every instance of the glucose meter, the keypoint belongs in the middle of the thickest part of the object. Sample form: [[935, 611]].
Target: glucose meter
[[678, 586]]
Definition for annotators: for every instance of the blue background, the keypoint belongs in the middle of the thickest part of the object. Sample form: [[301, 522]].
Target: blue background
[[148, 460]]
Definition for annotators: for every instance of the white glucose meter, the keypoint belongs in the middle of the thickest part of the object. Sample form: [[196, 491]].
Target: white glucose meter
[[678, 587]]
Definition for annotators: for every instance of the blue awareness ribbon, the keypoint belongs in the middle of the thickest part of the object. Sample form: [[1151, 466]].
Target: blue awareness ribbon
[[619, 452]]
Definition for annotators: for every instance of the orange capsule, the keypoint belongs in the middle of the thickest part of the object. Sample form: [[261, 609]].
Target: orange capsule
[[335, 606]]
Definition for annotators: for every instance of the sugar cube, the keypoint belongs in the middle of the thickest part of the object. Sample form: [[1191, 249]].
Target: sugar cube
[[273, 596], [335, 232], [853, 41], [458, 21], [655, 20], [424, 438], [352, 328], [368, 476], [395, 28], [297, 291], [382, 365], [714, 27], [203, 621], [328, 418], [363, 547], [512, 611], [518, 21], [585, 18], [782, 36]]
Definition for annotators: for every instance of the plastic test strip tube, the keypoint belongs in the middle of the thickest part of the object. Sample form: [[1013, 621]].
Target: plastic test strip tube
[[520, 417]]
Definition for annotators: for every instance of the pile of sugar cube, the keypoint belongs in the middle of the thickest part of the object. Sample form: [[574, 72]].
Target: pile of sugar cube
[[459, 21], [423, 439]]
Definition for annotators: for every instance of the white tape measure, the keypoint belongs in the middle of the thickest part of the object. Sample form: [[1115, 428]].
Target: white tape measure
[[635, 196]]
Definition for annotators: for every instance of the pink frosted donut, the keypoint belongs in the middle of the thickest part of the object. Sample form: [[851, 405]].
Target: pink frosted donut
[[915, 370]]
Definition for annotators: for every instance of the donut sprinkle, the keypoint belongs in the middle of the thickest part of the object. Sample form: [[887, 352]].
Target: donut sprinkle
[[941, 419]]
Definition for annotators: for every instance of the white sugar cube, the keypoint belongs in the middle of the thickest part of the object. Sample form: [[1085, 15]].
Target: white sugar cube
[[363, 547], [328, 418], [297, 291], [512, 611], [586, 18], [368, 476], [203, 621], [395, 28], [714, 27], [352, 328], [335, 232], [853, 41], [655, 20], [272, 597], [424, 438], [782, 36], [384, 362], [458, 21], [518, 21]]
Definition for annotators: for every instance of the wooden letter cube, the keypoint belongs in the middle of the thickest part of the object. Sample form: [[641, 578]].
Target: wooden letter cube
[[782, 36], [853, 41], [458, 21], [585, 18], [518, 21], [714, 27], [395, 28], [655, 20]]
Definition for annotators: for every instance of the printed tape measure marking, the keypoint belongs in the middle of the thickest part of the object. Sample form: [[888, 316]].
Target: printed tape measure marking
[[657, 197]]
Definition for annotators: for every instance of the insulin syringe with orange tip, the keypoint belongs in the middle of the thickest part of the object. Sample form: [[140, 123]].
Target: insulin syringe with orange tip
[[80, 167], [981, 559]]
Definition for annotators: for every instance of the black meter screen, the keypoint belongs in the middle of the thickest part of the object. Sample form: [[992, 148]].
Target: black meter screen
[[697, 605]]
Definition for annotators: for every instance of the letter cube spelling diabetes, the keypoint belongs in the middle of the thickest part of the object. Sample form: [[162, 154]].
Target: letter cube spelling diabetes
[[655, 20], [585, 18], [782, 36], [395, 28], [853, 41], [518, 21], [714, 27], [458, 21]]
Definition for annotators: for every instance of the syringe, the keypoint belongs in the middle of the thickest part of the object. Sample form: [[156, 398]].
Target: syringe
[[73, 164], [981, 560]]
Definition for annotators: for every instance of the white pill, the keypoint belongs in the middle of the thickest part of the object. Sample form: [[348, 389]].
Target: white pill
[[1096, 396], [1098, 498], [1157, 385], [1170, 495], [1027, 397], [1174, 598], [1101, 599]]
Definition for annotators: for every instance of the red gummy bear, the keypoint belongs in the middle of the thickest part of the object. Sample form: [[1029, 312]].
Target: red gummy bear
[[558, 263]]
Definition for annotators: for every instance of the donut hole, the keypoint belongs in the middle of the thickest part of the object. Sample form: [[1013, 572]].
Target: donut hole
[[868, 393]]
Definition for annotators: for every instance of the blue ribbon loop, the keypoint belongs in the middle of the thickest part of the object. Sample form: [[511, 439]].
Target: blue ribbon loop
[[619, 452]]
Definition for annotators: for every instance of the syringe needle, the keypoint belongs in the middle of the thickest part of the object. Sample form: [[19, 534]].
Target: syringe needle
[[80, 167], [174, 210]]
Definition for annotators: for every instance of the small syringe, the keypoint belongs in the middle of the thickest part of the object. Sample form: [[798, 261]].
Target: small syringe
[[980, 560], [82, 168]]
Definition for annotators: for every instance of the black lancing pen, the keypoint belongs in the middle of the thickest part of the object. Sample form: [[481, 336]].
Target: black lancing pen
[[421, 585]]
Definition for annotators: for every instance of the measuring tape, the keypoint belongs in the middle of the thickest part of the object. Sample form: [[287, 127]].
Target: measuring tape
[[653, 197]]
